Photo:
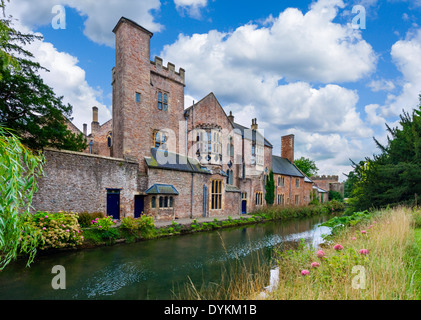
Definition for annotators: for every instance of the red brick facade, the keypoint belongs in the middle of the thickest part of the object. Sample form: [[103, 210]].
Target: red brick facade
[[149, 98]]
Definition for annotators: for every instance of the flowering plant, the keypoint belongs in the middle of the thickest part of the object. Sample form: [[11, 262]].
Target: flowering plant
[[103, 224]]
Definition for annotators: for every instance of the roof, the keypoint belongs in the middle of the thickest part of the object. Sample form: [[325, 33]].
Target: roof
[[285, 167], [231, 188], [319, 189], [242, 129], [162, 189], [124, 19], [166, 160]]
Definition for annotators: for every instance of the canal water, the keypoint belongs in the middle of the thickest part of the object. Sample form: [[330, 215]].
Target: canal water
[[154, 269]]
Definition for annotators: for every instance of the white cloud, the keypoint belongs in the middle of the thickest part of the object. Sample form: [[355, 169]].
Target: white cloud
[[101, 16], [381, 85], [192, 7], [265, 72], [66, 79], [406, 55]]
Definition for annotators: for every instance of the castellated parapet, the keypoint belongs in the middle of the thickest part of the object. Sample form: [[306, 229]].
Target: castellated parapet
[[332, 178], [168, 71]]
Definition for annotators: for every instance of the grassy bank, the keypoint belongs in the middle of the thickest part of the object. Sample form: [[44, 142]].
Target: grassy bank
[[373, 259], [373, 256]]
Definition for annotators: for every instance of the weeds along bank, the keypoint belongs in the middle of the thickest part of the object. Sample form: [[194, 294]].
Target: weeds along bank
[[369, 256], [65, 230]]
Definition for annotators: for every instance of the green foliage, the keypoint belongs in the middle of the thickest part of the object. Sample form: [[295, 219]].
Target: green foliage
[[339, 223], [335, 195], [394, 175], [307, 166], [142, 227], [19, 170], [270, 189], [27, 104], [103, 224], [85, 218], [59, 230]]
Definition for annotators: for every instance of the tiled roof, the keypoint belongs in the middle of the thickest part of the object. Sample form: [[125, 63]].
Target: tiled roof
[[284, 166], [231, 188], [162, 189], [161, 159], [253, 134]]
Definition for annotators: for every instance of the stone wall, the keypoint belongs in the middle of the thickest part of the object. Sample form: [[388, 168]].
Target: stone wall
[[78, 182]]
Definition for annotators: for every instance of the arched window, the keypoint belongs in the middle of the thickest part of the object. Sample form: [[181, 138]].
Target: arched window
[[166, 202], [109, 139]]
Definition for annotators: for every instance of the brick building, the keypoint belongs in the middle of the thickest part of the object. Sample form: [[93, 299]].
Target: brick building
[[156, 157]]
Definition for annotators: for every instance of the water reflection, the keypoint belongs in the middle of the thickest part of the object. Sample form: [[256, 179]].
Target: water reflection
[[151, 269]]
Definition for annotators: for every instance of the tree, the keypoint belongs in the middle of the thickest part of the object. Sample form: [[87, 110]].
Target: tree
[[19, 170], [27, 105], [307, 166], [270, 189], [394, 175]]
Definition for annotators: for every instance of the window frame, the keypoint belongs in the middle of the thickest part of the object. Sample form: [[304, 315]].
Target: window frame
[[216, 194]]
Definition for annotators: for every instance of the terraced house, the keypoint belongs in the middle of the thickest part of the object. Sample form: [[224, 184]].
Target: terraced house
[[156, 157]]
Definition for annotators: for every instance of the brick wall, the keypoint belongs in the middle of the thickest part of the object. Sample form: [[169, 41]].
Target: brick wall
[[77, 182]]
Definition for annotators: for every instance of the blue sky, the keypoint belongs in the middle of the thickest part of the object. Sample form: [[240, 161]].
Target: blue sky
[[297, 66]]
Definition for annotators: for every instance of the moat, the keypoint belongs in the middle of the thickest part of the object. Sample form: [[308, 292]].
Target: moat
[[154, 269]]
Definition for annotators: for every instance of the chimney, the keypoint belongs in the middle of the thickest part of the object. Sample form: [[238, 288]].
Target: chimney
[[85, 129], [254, 125], [231, 117], [287, 147], [95, 123]]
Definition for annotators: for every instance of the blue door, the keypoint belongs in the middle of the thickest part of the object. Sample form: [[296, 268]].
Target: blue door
[[139, 206], [113, 203], [244, 206]]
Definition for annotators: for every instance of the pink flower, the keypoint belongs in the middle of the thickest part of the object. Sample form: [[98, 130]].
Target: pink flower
[[305, 272], [338, 247], [354, 238], [363, 231], [320, 254], [67, 230], [371, 226], [44, 228], [315, 264], [46, 217], [363, 251], [374, 221]]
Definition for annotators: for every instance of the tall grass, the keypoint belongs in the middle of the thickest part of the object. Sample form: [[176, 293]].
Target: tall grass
[[389, 266]]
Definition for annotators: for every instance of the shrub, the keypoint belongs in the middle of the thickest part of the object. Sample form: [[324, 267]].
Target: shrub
[[103, 224], [59, 230], [85, 218]]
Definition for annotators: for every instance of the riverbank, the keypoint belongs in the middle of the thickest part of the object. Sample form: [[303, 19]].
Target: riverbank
[[374, 259], [374, 256]]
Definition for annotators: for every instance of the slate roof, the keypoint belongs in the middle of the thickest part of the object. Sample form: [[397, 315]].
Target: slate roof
[[239, 127], [162, 189], [231, 188], [161, 159], [285, 167]]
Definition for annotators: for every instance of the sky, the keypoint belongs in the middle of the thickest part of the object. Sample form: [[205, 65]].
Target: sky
[[331, 72]]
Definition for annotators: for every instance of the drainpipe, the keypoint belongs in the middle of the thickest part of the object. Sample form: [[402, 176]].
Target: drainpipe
[[192, 174]]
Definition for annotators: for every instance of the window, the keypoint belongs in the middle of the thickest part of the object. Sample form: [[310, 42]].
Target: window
[[216, 198], [231, 177], [153, 202], [281, 199], [297, 200], [297, 183], [137, 97], [209, 145], [164, 202], [161, 202], [160, 139], [260, 155], [109, 139], [162, 101], [171, 204], [244, 195], [281, 181], [259, 198]]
